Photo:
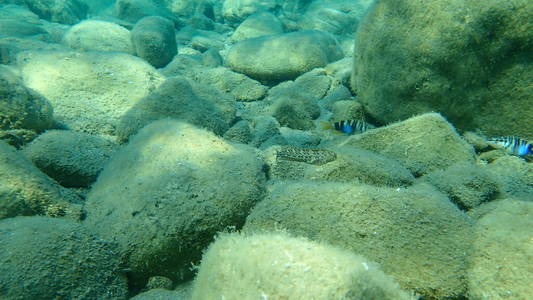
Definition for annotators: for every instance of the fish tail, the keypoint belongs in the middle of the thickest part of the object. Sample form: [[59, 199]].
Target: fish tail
[[326, 125]]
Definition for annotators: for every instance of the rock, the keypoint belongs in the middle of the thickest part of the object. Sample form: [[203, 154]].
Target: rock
[[501, 258], [235, 11], [20, 107], [466, 61], [19, 28], [17, 137], [134, 10], [72, 158], [154, 40], [467, 185], [28, 191], [92, 91], [157, 200], [514, 175], [277, 265], [58, 11], [55, 257], [423, 143], [265, 132], [296, 53], [240, 132], [347, 110], [351, 165], [178, 98], [257, 25], [415, 233], [10, 47], [92, 35], [239, 86]]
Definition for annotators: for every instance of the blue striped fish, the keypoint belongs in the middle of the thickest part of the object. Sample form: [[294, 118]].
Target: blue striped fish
[[513, 145], [348, 126]]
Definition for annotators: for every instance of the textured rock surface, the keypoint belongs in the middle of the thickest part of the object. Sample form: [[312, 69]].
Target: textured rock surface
[[46, 258], [164, 196], [296, 53], [93, 35], [469, 60], [154, 40]]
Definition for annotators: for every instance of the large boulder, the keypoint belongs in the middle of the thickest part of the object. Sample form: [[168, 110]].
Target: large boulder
[[296, 53], [94, 35], [46, 258], [90, 91], [278, 266], [164, 196], [414, 233], [154, 40], [469, 60]]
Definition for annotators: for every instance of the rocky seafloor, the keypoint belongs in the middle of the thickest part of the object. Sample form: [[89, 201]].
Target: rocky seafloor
[[183, 149]]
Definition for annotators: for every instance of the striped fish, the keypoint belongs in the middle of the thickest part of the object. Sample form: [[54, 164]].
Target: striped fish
[[513, 145], [348, 126]]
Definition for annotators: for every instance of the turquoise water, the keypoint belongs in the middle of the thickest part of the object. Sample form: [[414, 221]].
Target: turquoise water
[[240, 149]]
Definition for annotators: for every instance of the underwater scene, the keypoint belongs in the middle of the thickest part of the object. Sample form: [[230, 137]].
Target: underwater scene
[[266, 149]]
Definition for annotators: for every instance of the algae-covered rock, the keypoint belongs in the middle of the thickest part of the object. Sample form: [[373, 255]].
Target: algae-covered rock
[[349, 164], [90, 91], [469, 60], [423, 143], [259, 24], [515, 176], [179, 98], [164, 195], [25, 190], [502, 250], [58, 11], [154, 40], [467, 185], [278, 266], [235, 11], [416, 234], [238, 85], [20, 107], [94, 35], [46, 258], [73, 159], [134, 10], [295, 54]]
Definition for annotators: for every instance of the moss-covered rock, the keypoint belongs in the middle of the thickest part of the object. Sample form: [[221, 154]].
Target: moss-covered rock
[[259, 24], [46, 258], [154, 40], [25, 190], [238, 85], [72, 158], [94, 35], [423, 143], [469, 60], [58, 11], [416, 234], [502, 250], [164, 195], [90, 91], [296, 53], [350, 165], [278, 266], [20, 107], [179, 98], [467, 185]]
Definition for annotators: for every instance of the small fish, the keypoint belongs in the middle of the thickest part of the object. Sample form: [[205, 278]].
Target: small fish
[[348, 126], [513, 145]]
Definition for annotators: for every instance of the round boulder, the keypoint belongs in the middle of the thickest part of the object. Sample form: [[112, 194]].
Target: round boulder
[[164, 196], [46, 258], [93, 35], [469, 60], [154, 40], [295, 54]]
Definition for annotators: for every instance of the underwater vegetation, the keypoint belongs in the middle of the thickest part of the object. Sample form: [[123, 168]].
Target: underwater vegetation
[[266, 150]]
